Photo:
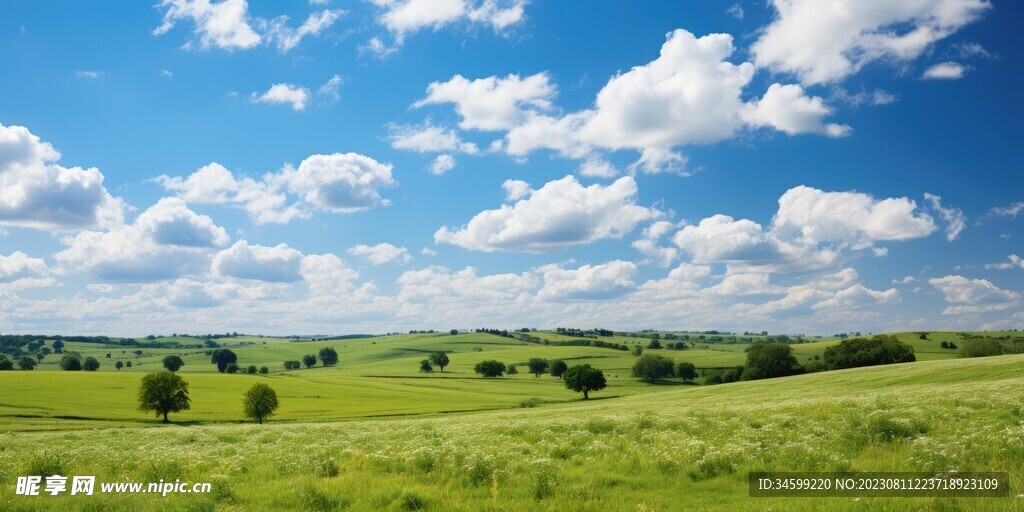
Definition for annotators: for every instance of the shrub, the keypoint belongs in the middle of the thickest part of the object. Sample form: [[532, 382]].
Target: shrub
[[878, 350], [981, 347], [232, 368], [558, 368], [686, 371], [128, 364], [260, 402], [944, 344], [512, 370], [71, 363], [654, 344], [163, 393], [650, 367], [264, 370], [490, 368], [252, 369], [119, 365], [309, 360], [173, 363], [584, 378], [638, 351], [426, 367], [91, 364], [328, 356], [769, 360]]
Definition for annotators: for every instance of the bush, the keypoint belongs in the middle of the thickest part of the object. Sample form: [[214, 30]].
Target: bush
[[981, 347], [252, 369], [328, 356], [558, 368], [686, 371], [309, 360], [858, 352], [264, 370], [490, 368], [650, 367], [512, 370], [944, 344], [426, 367], [232, 368], [119, 365], [173, 363], [71, 363], [260, 402], [769, 360], [292, 365], [91, 364], [654, 344]]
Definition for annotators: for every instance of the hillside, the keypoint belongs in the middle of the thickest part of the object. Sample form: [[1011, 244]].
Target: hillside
[[686, 447]]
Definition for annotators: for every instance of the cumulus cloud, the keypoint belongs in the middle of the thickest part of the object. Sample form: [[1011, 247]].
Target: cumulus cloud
[[973, 295], [827, 41], [381, 253], [647, 244], [516, 189], [259, 263], [945, 71], [559, 215], [166, 241], [439, 285], [327, 274], [404, 17], [492, 103], [954, 217], [339, 183], [588, 282], [36, 192], [229, 26], [428, 138], [787, 109], [295, 95], [19, 265]]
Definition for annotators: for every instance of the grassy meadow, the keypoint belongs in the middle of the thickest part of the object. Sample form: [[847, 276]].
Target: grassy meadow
[[375, 434]]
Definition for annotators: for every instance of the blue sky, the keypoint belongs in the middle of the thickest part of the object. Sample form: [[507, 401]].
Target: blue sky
[[468, 163]]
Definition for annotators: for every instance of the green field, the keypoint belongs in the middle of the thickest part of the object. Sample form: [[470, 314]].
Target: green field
[[373, 433]]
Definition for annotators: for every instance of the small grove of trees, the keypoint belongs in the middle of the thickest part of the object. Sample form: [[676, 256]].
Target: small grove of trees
[[163, 393], [770, 360], [222, 357], [490, 368], [260, 402], [651, 367], [584, 379], [309, 360], [5, 364], [27, 363], [558, 368], [537, 366], [328, 356], [173, 363], [439, 359], [857, 352], [980, 347], [292, 365]]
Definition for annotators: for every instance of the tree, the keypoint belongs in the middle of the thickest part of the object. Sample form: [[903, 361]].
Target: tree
[[558, 368], [425, 366], [537, 366], [232, 368], [638, 350], [769, 360], [71, 363], [58, 347], [982, 347], [857, 352], [439, 359], [260, 402], [163, 393], [119, 365], [128, 364], [686, 371], [328, 356], [309, 360], [264, 370], [292, 365], [5, 364], [490, 368], [251, 369], [944, 344], [173, 363], [650, 367], [453, 332], [584, 378], [512, 370], [654, 344], [27, 363], [222, 357]]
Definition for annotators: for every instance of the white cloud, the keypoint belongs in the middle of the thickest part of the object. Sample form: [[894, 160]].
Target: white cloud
[[787, 109], [427, 251], [1007, 211], [340, 182], [438, 285], [381, 253], [18, 265], [954, 217], [736, 11], [226, 24], [297, 96], [588, 282], [376, 47], [442, 164], [279, 264], [90, 74], [166, 241], [745, 284], [647, 244], [973, 295], [405, 17], [327, 274], [288, 38], [828, 41], [1015, 262], [35, 192], [428, 138], [492, 103], [557, 216], [945, 71], [905, 280], [330, 89], [595, 167], [516, 189]]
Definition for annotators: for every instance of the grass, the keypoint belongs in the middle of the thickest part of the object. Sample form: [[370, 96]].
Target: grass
[[683, 448]]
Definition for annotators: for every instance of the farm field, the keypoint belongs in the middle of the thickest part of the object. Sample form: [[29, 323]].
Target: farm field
[[683, 447]]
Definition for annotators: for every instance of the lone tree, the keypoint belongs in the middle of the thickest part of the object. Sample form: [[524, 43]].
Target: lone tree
[[537, 366], [27, 363], [439, 359], [558, 368], [309, 360], [425, 366], [651, 367], [328, 356], [490, 368], [71, 363], [173, 363], [222, 357], [119, 365], [260, 402], [769, 360], [163, 393], [91, 364], [686, 371], [453, 332], [584, 378]]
